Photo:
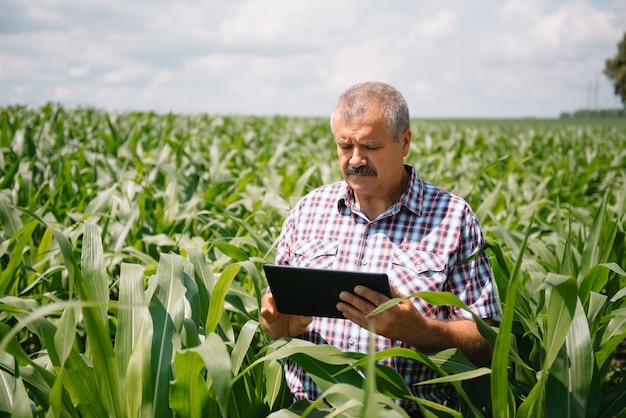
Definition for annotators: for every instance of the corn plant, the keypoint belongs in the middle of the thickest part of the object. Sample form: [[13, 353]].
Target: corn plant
[[131, 246]]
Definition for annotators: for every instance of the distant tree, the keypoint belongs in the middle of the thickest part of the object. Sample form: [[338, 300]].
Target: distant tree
[[615, 69]]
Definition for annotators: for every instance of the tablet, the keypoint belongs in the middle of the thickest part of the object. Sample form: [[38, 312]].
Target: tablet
[[315, 292]]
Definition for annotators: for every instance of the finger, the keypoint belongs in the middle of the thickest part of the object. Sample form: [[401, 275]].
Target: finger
[[359, 304], [346, 307], [268, 307], [267, 312], [376, 298], [351, 313]]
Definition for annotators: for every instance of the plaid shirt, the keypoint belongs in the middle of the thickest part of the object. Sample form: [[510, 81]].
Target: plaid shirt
[[418, 242]]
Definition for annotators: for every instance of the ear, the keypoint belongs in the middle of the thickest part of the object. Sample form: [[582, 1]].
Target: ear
[[406, 142]]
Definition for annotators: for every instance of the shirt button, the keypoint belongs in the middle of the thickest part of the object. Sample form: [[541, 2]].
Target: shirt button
[[351, 341], [364, 262]]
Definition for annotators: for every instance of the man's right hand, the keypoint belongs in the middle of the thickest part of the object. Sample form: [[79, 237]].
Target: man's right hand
[[278, 325]]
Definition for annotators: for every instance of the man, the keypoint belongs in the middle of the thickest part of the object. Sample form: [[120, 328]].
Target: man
[[384, 218]]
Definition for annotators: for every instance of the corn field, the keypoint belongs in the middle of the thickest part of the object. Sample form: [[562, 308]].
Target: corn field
[[132, 244]]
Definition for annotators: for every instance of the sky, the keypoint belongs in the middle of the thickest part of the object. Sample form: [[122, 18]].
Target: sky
[[457, 58]]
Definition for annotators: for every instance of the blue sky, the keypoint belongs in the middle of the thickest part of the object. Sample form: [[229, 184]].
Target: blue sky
[[459, 58]]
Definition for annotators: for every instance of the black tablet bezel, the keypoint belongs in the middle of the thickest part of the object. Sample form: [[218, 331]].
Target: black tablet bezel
[[315, 292]]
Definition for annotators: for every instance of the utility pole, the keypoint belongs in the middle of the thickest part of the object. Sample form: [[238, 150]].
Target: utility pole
[[595, 94], [588, 107]]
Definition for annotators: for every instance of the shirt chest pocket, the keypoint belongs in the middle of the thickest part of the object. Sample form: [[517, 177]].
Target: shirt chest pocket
[[316, 253], [419, 270]]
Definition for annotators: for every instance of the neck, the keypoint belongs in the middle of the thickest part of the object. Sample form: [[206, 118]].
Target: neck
[[374, 205]]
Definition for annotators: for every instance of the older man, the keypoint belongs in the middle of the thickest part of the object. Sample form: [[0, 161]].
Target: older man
[[384, 218]]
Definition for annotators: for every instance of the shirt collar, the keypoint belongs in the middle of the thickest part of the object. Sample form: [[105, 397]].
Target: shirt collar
[[410, 199]]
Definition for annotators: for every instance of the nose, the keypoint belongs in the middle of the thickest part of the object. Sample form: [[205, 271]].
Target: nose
[[357, 159]]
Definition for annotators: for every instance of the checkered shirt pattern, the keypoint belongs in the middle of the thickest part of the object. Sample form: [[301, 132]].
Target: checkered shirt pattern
[[419, 242]]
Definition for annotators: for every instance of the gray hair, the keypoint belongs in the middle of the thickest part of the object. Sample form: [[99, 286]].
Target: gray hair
[[353, 103]]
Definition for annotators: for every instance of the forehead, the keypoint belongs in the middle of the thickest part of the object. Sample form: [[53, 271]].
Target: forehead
[[371, 123]]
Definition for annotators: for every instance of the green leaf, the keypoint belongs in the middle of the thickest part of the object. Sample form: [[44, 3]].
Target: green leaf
[[500, 360], [204, 280], [93, 287], [324, 374], [132, 312], [11, 221], [93, 270], [189, 395], [613, 335], [370, 407], [274, 382], [590, 254], [161, 356], [424, 359], [231, 251], [139, 390], [244, 341], [9, 276], [532, 406], [193, 297], [65, 334], [216, 306], [22, 405], [561, 308], [570, 389], [390, 383], [80, 382], [458, 377], [169, 288], [613, 403], [218, 365]]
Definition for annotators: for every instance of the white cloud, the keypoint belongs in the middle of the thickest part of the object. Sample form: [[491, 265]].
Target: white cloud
[[531, 30], [41, 14], [62, 94], [487, 58], [285, 22], [440, 26], [79, 72], [124, 75]]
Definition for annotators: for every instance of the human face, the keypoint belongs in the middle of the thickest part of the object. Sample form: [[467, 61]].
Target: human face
[[371, 161]]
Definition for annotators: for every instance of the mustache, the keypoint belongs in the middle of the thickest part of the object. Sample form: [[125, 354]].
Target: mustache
[[364, 170]]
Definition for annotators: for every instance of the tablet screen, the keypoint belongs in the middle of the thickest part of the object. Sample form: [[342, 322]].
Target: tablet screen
[[315, 292]]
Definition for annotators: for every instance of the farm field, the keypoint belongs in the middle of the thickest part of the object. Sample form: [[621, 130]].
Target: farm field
[[131, 248]]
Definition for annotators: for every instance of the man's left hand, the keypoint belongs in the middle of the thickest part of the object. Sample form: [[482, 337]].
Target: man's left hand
[[395, 323]]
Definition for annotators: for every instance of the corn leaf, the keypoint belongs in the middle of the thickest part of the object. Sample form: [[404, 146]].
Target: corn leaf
[[65, 334], [572, 387], [22, 406], [9, 276], [169, 289], [132, 310], [216, 307], [139, 390], [161, 356], [500, 361], [244, 341], [218, 366], [274, 383], [189, 395], [561, 309], [11, 222]]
